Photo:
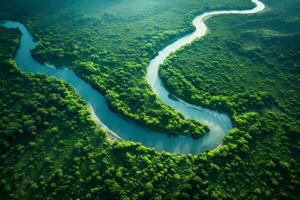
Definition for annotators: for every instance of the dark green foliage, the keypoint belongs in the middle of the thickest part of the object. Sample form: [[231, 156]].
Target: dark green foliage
[[244, 66], [110, 43], [51, 149]]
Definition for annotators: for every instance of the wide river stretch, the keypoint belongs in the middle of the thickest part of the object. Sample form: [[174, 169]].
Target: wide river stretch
[[218, 123]]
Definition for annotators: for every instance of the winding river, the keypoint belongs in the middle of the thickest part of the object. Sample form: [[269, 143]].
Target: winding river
[[219, 124]]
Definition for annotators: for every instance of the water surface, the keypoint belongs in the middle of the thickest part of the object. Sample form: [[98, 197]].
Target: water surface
[[219, 124]]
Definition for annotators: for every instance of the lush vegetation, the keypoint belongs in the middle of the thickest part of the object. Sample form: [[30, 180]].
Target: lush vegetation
[[109, 44], [51, 149], [250, 65]]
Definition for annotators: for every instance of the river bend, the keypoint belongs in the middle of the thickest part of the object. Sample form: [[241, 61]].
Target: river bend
[[218, 123]]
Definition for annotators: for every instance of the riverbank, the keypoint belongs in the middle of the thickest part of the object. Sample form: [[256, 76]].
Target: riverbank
[[219, 124]]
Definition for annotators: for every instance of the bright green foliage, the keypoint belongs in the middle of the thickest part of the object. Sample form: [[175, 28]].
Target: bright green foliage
[[51, 149], [109, 44], [244, 63]]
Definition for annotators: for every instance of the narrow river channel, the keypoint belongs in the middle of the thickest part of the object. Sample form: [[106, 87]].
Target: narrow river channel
[[218, 123]]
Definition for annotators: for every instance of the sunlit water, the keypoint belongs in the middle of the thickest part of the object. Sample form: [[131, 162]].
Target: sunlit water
[[219, 124]]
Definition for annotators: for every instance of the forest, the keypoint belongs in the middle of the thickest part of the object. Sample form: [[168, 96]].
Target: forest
[[93, 41], [247, 66], [254, 66], [43, 157]]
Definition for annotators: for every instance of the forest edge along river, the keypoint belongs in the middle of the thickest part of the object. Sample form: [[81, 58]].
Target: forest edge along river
[[219, 124]]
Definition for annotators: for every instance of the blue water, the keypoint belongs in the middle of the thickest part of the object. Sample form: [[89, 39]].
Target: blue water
[[219, 124]]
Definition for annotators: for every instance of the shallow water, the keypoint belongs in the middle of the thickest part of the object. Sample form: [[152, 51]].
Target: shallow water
[[218, 123]]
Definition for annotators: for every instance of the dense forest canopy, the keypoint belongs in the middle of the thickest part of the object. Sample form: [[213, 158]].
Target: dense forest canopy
[[242, 64], [110, 44], [248, 66]]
